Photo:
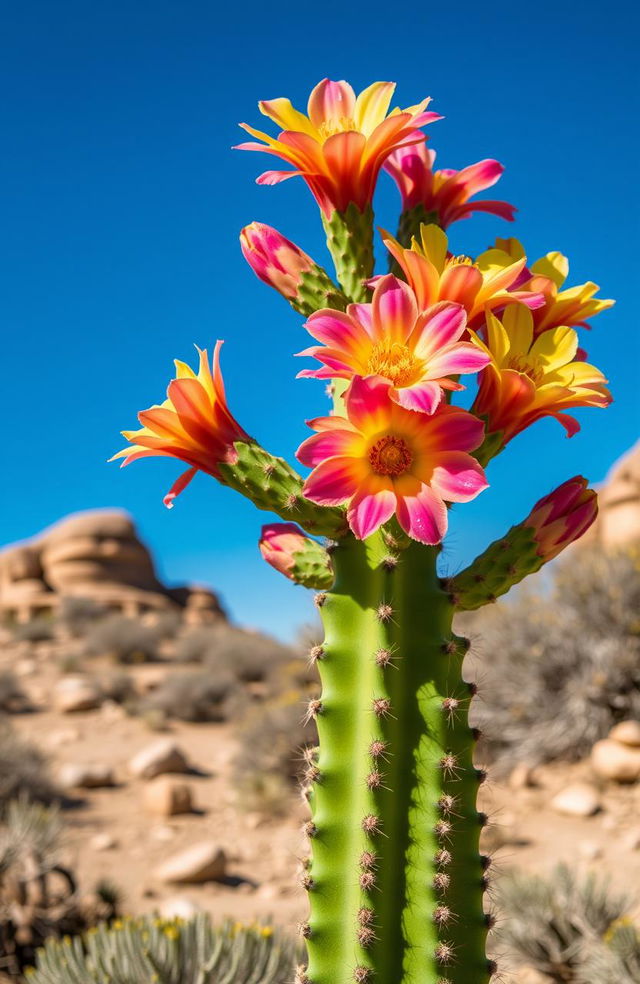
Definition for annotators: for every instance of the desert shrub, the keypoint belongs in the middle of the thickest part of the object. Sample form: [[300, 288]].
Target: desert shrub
[[167, 624], [616, 962], [185, 696], [172, 951], [250, 656], [195, 645], [556, 671], [24, 771], [271, 751], [79, 614], [38, 896], [117, 686], [557, 924], [12, 697], [42, 628], [124, 639]]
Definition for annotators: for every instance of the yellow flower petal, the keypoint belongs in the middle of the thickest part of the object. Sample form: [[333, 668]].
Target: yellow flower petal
[[518, 324], [555, 266], [372, 106], [434, 244], [556, 347], [498, 340]]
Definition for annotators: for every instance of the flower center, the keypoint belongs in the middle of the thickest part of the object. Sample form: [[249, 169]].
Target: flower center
[[395, 362], [529, 366], [339, 124], [390, 456], [461, 260]]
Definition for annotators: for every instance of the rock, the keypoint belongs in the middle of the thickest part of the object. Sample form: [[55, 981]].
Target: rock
[[85, 776], [577, 800], [103, 842], [611, 760], [65, 736], [200, 863], [522, 777], [76, 693], [178, 907], [26, 667], [163, 832], [627, 733], [590, 850], [158, 758], [631, 841], [165, 797]]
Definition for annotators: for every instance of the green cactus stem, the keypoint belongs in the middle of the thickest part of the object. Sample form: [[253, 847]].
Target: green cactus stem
[[312, 567], [317, 290], [505, 562], [410, 222], [350, 242], [274, 486], [395, 880]]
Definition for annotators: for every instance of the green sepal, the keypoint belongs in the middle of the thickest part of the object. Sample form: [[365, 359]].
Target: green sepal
[[312, 567], [317, 290], [273, 485], [350, 242], [505, 562], [492, 445]]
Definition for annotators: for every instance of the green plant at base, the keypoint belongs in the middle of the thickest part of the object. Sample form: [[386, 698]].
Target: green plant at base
[[167, 951]]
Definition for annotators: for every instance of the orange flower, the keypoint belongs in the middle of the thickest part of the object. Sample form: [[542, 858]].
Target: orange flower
[[193, 424], [340, 146], [529, 378], [483, 284]]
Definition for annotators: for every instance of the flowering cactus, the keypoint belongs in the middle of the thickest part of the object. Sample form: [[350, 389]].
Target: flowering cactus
[[395, 879]]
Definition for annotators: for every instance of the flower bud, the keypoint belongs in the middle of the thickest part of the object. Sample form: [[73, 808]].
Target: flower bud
[[562, 517], [297, 556]]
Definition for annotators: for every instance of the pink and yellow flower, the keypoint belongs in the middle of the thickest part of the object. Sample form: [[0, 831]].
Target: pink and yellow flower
[[446, 193], [561, 517], [274, 259], [342, 142], [416, 352], [193, 424], [279, 543], [529, 378], [573, 306], [383, 460], [487, 283]]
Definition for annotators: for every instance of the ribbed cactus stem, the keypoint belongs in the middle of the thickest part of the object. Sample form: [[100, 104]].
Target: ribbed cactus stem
[[350, 242], [317, 290], [410, 222], [396, 880]]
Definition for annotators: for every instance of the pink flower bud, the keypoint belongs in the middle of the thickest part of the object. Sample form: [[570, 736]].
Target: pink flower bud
[[561, 517], [274, 259], [279, 543]]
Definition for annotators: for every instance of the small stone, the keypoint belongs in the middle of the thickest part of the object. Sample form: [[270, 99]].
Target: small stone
[[66, 736], [85, 776], [166, 797], [111, 711], [590, 850], [163, 833], [200, 863], [158, 758], [103, 842], [631, 841], [178, 907], [26, 667], [577, 800], [612, 760], [522, 777], [627, 733], [76, 693]]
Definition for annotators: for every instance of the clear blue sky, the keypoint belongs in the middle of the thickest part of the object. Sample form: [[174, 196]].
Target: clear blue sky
[[122, 203]]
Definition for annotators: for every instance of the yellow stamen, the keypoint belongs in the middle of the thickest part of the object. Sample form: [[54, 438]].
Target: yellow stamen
[[395, 362], [343, 124]]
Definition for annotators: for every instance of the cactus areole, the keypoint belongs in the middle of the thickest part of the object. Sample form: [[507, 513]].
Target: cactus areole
[[395, 879]]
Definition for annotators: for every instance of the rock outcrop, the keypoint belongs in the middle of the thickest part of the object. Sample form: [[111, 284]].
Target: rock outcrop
[[95, 555]]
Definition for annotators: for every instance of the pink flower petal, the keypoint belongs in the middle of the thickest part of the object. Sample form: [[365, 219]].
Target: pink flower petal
[[458, 477], [394, 309], [328, 444], [369, 510], [334, 481], [461, 358], [440, 326], [423, 397], [336, 329], [331, 101], [454, 429], [423, 516], [369, 407]]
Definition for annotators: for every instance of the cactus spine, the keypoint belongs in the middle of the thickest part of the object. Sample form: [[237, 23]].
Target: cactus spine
[[396, 880]]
